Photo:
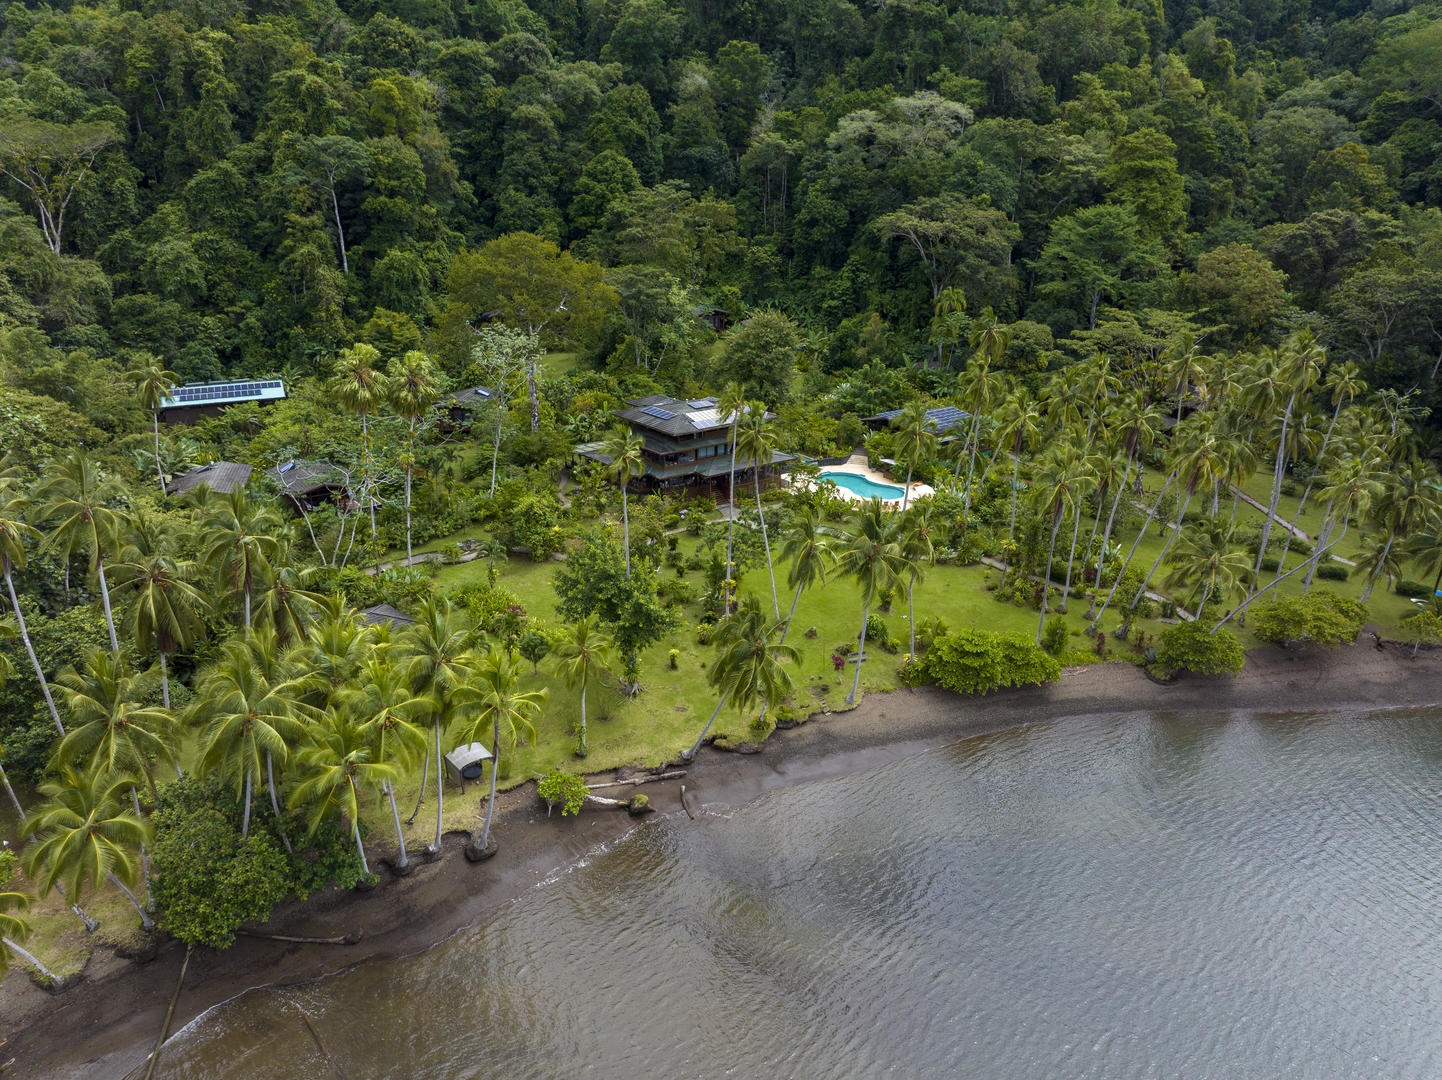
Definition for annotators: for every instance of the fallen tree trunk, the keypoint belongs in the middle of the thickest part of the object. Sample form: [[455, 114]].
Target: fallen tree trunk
[[672, 775], [348, 939]]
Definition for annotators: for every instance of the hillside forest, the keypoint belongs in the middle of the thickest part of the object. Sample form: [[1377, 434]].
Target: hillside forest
[[1181, 266]]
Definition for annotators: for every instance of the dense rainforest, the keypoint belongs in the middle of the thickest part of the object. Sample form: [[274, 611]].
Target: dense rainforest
[[1182, 267]]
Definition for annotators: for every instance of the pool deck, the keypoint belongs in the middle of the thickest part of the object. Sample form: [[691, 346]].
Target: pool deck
[[858, 466]]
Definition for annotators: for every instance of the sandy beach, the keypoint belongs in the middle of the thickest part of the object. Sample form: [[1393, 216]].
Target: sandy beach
[[106, 1025]]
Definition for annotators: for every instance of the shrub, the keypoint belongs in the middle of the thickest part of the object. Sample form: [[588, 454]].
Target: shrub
[[1321, 617], [1405, 587], [876, 630], [565, 788], [1053, 635], [1270, 564], [761, 727], [979, 661], [1188, 647], [1333, 571]]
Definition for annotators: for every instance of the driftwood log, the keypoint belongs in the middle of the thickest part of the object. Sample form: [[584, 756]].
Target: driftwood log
[[672, 775]]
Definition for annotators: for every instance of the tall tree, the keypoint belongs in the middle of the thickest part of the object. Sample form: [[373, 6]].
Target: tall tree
[[77, 503], [870, 554], [336, 764], [624, 448], [153, 383], [13, 534], [918, 546], [164, 611], [583, 656], [359, 385], [755, 444], [729, 406], [413, 389], [242, 537], [390, 713], [750, 666], [915, 442], [496, 696], [808, 553], [50, 161]]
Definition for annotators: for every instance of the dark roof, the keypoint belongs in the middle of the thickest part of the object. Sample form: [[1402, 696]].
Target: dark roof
[[467, 398], [299, 477], [720, 465], [672, 416], [942, 419], [384, 613], [222, 477]]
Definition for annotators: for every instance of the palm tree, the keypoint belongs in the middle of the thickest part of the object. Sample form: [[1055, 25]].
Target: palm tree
[[1295, 371], [755, 443], [584, 655], [83, 833], [242, 538], [13, 930], [918, 547], [980, 390], [439, 650], [153, 384], [624, 449], [413, 391], [871, 554], [13, 534], [807, 550], [336, 762], [1020, 429], [285, 603], [1350, 490], [390, 713], [729, 406], [248, 705], [361, 388], [112, 729], [1064, 479], [165, 609], [1184, 367], [498, 699], [749, 667], [915, 441], [1208, 563], [77, 498], [1408, 497], [1136, 542]]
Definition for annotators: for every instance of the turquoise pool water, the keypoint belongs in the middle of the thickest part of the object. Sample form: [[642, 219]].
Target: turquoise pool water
[[859, 485]]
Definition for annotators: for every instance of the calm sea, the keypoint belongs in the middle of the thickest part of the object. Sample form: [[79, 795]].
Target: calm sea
[[1137, 896]]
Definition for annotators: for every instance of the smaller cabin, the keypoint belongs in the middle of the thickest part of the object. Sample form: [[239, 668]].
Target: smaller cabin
[[384, 613], [222, 477], [717, 319], [195, 401], [941, 420], [457, 411], [309, 484]]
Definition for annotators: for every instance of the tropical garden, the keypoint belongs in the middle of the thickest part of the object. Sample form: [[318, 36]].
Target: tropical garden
[[1179, 269]]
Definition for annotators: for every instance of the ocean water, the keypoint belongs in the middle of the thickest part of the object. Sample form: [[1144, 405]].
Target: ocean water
[[1133, 896]]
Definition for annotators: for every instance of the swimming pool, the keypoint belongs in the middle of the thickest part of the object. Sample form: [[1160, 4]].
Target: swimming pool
[[860, 485]]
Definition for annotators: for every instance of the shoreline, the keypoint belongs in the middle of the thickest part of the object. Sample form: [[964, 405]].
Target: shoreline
[[107, 1024]]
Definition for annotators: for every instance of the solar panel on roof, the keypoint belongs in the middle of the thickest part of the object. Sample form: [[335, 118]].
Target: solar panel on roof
[[658, 413]]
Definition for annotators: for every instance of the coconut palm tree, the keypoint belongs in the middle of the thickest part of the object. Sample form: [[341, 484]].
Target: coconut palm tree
[[440, 655], [1184, 367], [499, 702], [361, 388], [111, 727], [164, 610], [871, 554], [808, 552], [413, 389], [285, 602], [749, 666], [624, 449], [1019, 431], [13, 930], [1409, 496], [915, 441], [84, 832], [584, 655], [1350, 490], [729, 405], [1136, 542], [251, 716], [980, 390], [153, 384], [13, 534], [336, 763], [243, 537], [1063, 480], [1294, 372], [919, 530], [77, 500], [1208, 563], [390, 713], [755, 443]]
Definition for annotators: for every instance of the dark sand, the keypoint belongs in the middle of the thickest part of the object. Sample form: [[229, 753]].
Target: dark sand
[[106, 1025]]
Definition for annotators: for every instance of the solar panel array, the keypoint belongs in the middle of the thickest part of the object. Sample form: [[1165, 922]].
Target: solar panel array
[[658, 413], [236, 391]]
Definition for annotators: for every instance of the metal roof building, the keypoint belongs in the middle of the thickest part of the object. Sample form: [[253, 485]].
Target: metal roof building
[[186, 404], [222, 477]]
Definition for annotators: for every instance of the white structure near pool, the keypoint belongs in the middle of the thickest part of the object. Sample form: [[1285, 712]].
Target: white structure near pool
[[856, 481]]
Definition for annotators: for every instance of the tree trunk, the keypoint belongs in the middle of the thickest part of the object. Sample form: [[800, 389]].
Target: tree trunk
[[340, 232], [766, 541], [164, 679], [396, 816], [245, 819], [1046, 578], [1140, 533], [730, 517], [1377, 570], [146, 922], [440, 791], [410, 469], [791, 614], [1071, 557], [496, 443], [421, 792], [1260, 592], [911, 617], [906, 494], [532, 392], [368, 489], [495, 768], [361, 848], [1015, 470], [159, 474], [1107, 535], [687, 755], [1277, 470], [105, 599], [29, 958], [30, 649], [626, 530], [1175, 531], [860, 655], [14, 801], [275, 801], [144, 854], [583, 719]]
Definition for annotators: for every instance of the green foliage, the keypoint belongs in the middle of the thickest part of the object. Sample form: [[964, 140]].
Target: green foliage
[[1321, 617], [1189, 647], [978, 661], [1333, 571], [593, 582], [1054, 634], [208, 882], [1406, 587], [565, 788]]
